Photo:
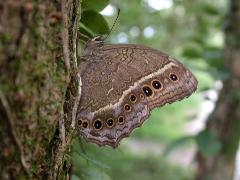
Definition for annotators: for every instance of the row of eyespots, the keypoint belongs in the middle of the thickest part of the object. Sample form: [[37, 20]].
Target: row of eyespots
[[98, 124], [157, 85], [148, 90], [82, 123]]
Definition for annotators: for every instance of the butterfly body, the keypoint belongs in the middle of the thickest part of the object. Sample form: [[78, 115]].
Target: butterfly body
[[121, 84]]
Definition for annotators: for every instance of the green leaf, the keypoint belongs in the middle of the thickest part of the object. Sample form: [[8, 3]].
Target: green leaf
[[177, 143], [85, 30], [93, 23], [97, 5], [208, 143]]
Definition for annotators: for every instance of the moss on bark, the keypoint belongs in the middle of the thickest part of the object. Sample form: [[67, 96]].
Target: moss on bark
[[32, 85]]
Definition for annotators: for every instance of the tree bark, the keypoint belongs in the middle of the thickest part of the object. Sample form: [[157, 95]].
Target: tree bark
[[37, 58], [225, 120]]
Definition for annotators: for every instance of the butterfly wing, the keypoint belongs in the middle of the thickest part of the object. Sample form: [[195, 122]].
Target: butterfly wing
[[121, 84]]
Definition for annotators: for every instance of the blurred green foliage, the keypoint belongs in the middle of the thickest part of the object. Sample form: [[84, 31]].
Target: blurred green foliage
[[188, 30], [106, 163]]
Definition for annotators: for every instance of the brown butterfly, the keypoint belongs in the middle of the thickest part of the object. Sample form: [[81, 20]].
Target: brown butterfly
[[121, 84]]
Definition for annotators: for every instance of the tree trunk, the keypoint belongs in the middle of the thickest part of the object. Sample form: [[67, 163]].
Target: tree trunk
[[37, 53], [225, 120]]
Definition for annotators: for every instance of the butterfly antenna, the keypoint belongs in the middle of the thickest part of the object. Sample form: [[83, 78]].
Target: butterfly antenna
[[113, 25]]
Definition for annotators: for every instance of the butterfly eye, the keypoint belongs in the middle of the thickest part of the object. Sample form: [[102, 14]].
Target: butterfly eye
[[127, 107], [85, 124], [156, 84], [173, 77], [97, 124], [110, 122], [121, 120], [147, 91], [133, 98]]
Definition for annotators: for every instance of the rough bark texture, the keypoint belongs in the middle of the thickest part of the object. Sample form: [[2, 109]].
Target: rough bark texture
[[37, 53], [225, 120]]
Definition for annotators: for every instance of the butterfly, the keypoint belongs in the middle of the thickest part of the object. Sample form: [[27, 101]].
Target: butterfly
[[121, 84]]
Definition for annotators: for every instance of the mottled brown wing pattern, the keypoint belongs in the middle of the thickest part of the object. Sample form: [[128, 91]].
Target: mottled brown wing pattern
[[121, 84]]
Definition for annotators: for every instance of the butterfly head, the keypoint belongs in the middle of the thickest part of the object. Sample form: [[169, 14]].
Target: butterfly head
[[92, 45], [97, 40]]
